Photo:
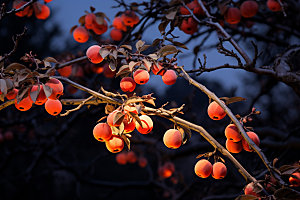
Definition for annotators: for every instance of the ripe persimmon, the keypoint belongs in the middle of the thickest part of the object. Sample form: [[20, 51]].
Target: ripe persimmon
[[80, 34], [41, 98], [215, 111], [93, 54], [24, 105], [130, 18], [147, 124], [116, 34], [127, 84], [42, 11], [115, 144], [189, 26], [53, 107], [203, 168], [57, 88], [141, 76], [273, 5], [254, 138], [121, 158], [232, 133], [233, 15], [169, 77], [118, 24], [172, 138], [102, 132], [234, 147], [249, 8], [65, 71], [219, 170], [12, 94]]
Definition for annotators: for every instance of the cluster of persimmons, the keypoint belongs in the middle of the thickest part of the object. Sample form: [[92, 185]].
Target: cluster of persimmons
[[232, 14], [251, 190], [235, 143], [97, 23], [41, 11], [140, 75], [124, 158], [52, 105]]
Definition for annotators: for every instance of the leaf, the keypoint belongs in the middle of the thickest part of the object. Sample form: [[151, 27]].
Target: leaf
[[153, 56], [14, 66], [121, 128], [138, 108], [114, 54], [167, 50], [104, 52], [126, 46], [115, 130], [23, 93], [150, 101], [118, 118], [81, 20], [131, 65], [186, 133], [137, 118], [139, 44], [9, 84], [47, 90], [73, 28], [286, 194], [284, 168], [144, 48], [99, 20], [123, 70], [126, 140], [179, 44], [171, 15], [112, 66], [162, 26], [22, 75], [51, 59], [50, 72], [34, 94], [232, 99], [47, 64], [288, 169], [102, 15], [246, 197], [156, 42], [147, 64], [3, 87]]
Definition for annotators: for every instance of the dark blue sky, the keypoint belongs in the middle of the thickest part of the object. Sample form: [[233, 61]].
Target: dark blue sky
[[66, 13]]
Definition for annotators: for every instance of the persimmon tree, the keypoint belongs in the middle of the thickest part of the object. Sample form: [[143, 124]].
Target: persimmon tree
[[126, 117]]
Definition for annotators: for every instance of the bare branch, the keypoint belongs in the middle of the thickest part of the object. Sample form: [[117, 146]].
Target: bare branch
[[235, 121], [78, 107], [16, 40], [13, 11]]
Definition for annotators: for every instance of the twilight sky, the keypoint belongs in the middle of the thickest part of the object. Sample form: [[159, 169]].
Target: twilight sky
[[67, 12]]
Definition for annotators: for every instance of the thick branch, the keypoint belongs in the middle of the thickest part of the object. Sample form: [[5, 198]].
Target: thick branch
[[212, 96]]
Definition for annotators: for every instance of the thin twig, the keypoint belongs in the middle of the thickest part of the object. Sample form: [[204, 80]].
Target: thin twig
[[78, 107], [16, 40]]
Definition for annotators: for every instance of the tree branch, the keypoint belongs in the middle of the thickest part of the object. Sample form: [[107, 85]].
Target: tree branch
[[212, 96]]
